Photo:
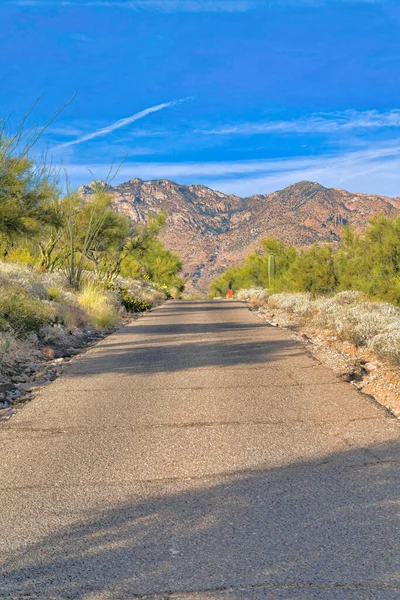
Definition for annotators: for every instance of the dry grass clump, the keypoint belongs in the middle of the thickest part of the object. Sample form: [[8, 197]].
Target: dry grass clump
[[39, 309], [100, 305]]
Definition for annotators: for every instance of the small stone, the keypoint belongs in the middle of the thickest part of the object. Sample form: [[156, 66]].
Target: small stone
[[371, 366], [345, 377], [48, 353], [25, 387], [72, 352], [40, 375]]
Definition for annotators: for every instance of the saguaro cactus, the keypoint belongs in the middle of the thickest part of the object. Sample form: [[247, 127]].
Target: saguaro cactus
[[271, 270]]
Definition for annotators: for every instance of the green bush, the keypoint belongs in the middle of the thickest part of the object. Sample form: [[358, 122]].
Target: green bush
[[54, 294], [24, 313], [131, 304]]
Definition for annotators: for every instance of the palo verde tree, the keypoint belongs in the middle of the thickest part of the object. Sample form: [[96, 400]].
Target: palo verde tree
[[90, 231], [28, 188]]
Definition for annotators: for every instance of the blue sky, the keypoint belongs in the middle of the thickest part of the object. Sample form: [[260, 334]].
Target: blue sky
[[245, 96]]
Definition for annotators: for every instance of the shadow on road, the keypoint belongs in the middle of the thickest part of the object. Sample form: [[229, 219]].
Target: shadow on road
[[330, 522], [154, 345]]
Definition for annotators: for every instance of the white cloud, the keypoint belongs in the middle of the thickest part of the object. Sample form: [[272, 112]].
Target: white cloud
[[373, 171], [120, 123], [349, 120], [66, 131]]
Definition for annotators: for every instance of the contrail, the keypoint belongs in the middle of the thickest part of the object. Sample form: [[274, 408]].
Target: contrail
[[121, 123]]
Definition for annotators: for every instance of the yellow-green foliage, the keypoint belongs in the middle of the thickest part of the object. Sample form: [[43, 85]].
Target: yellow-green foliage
[[312, 271], [370, 262], [155, 263], [22, 312], [22, 255], [99, 304], [54, 293]]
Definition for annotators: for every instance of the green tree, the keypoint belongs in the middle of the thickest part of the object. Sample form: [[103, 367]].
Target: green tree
[[370, 261], [27, 195], [313, 271], [28, 188]]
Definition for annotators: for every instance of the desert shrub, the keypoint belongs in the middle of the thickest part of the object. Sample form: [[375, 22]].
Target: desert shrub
[[54, 279], [298, 304], [54, 294], [72, 316], [16, 275], [360, 324], [131, 304], [355, 318], [246, 295], [140, 289], [329, 309], [22, 255], [24, 313], [99, 304], [23, 277], [128, 298], [387, 346], [38, 290]]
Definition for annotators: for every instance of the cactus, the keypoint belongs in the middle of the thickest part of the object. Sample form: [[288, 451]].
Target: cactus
[[271, 270]]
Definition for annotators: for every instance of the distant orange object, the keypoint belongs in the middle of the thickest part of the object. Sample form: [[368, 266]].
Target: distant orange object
[[230, 294]]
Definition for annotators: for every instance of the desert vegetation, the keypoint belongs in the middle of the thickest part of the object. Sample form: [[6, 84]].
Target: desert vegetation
[[350, 315], [352, 291], [367, 262], [69, 264]]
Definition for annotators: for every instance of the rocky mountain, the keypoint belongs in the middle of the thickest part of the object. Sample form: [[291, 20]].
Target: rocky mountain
[[212, 231]]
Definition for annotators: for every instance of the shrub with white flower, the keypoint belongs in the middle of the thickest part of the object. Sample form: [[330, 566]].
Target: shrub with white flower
[[246, 295], [298, 304]]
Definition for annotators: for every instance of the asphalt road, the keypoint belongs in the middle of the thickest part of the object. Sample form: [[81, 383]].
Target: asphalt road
[[200, 454]]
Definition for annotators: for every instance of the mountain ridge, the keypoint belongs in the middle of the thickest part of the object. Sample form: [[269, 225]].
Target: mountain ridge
[[212, 230]]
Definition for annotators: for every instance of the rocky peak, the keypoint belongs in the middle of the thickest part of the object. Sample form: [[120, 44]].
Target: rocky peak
[[212, 230]]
